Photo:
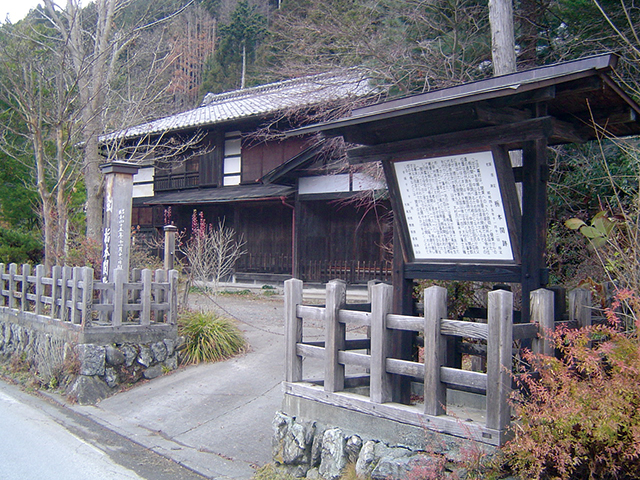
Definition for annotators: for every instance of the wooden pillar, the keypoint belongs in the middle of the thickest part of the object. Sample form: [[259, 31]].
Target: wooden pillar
[[534, 219], [435, 309], [26, 271], [381, 381], [542, 314], [169, 246], [499, 353], [580, 307], [292, 330], [402, 342], [335, 336]]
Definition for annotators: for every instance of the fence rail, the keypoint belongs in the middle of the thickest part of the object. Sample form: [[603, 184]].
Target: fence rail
[[71, 295], [438, 372], [351, 271]]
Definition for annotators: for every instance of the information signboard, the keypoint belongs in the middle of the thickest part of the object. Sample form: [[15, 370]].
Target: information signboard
[[453, 208]]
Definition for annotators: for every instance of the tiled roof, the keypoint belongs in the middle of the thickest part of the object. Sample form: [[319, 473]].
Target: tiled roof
[[256, 101]]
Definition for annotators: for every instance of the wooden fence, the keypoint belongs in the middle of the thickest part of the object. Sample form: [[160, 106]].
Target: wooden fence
[[71, 295], [437, 372], [351, 271]]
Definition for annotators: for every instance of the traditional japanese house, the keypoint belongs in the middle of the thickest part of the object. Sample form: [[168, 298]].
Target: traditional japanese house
[[288, 198]]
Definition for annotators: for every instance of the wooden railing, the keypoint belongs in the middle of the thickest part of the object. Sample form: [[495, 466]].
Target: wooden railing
[[176, 181], [437, 372], [351, 271], [71, 295]]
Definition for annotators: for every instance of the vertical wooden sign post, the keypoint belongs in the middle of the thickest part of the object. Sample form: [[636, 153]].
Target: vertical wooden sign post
[[116, 239]]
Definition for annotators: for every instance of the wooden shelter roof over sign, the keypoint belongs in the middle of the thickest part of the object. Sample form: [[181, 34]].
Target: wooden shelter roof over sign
[[580, 97], [451, 180]]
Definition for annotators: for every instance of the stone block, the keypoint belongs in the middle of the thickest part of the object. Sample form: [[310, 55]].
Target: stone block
[[114, 357], [334, 457], [153, 372], [88, 390], [92, 359], [159, 350], [146, 356]]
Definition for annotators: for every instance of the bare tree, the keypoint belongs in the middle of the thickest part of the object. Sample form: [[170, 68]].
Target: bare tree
[[212, 253], [95, 48], [40, 98]]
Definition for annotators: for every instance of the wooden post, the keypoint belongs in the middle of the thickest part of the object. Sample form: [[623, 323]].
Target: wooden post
[[76, 317], [56, 275], [118, 297], [169, 246], [435, 309], [580, 307], [499, 344], [542, 314], [136, 277], [161, 295], [381, 386], [292, 330], [64, 293], [3, 269], [534, 213], [13, 271], [24, 302], [39, 307], [145, 297], [172, 316], [334, 336], [87, 295]]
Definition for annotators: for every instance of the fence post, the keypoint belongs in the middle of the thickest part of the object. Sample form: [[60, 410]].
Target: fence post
[[145, 297], [381, 305], [24, 303], [39, 307], [499, 344], [292, 330], [118, 297], [56, 273], [169, 246], [542, 313], [3, 269], [435, 309], [172, 316], [160, 297], [580, 307], [87, 295], [13, 270], [64, 293], [136, 277], [334, 336], [75, 317]]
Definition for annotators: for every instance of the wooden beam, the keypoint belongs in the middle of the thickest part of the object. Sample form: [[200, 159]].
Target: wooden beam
[[506, 273], [453, 143], [500, 116]]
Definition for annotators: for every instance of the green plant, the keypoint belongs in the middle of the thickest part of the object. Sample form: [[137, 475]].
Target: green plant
[[19, 247], [208, 337], [578, 417]]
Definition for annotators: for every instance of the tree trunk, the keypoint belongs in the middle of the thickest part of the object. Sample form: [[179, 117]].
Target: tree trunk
[[503, 50]]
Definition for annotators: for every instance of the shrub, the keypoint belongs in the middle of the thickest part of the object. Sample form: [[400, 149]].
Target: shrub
[[208, 337], [19, 247], [579, 416]]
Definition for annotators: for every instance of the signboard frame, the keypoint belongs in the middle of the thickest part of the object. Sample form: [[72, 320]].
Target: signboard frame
[[508, 197]]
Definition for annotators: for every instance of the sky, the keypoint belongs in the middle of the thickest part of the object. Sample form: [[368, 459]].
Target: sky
[[16, 9]]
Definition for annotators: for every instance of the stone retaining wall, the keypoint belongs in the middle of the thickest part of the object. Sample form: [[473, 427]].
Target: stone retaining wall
[[307, 449], [89, 371]]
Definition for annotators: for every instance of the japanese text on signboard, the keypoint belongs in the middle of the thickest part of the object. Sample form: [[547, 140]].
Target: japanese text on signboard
[[453, 208]]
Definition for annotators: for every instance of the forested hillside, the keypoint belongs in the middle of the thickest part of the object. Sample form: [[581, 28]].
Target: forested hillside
[[69, 75]]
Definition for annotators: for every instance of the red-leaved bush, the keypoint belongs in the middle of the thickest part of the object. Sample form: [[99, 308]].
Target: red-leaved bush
[[578, 417]]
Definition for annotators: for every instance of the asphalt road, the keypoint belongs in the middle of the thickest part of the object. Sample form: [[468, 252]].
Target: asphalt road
[[41, 440]]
